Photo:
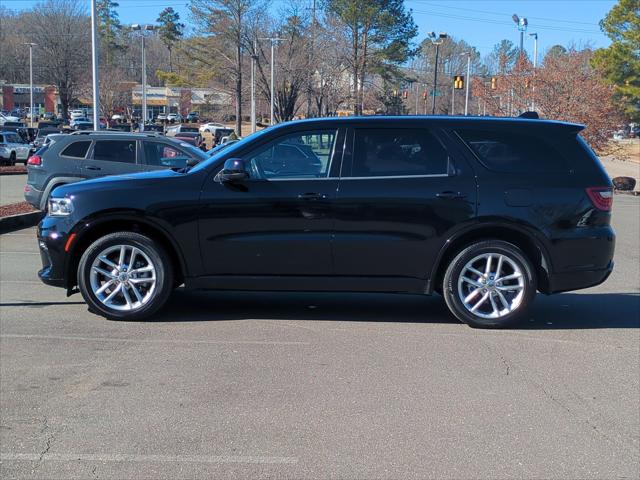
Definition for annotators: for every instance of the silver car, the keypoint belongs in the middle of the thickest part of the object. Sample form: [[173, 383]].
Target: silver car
[[13, 148]]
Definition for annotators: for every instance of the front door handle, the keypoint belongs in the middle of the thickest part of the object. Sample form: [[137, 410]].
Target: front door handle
[[92, 168], [450, 195], [312, 196]]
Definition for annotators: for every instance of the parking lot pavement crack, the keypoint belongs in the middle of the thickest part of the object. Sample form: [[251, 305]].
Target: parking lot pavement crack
[[49, 442]]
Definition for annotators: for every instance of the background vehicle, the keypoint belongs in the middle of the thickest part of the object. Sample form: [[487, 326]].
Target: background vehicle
[[174, 130], [193, 117], [8, 118], [161, 117], [43, 133], [210, 126], [174, 117], [13, 148], [83, 155], [81, 123], [484, 211]]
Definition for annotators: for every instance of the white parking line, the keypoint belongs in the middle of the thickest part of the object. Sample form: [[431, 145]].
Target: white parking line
[[131, 340], [123, 457], [19, 253]]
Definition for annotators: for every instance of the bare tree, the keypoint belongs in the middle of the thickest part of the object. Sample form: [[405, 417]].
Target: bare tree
[[61, 30]]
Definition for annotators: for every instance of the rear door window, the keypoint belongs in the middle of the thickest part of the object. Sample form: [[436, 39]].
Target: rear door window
[[392, 152], [510, 152], [123, 151], [163, 155], [76, 149]]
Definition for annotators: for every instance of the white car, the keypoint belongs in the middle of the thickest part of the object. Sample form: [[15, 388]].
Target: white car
[[161, 117], [174, 117], [13, 148], [77, 114], [210, 127], [8, 118], [117, 116]]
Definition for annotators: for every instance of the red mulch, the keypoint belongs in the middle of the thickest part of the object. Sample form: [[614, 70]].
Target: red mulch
[[15, 208], [15, 168]]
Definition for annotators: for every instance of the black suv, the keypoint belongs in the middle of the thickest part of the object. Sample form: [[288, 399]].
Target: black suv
[[484, 211], [85, 155]]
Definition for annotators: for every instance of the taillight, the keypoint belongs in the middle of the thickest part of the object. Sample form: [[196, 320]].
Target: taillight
[[601, 197], [34, 160]]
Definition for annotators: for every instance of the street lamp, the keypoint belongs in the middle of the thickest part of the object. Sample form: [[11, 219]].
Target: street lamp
[[31, 45], [94, 66], [535, 65], [254, 59], [437, 41], [143, 29], [522, 24], [274, 41], [466, 94]]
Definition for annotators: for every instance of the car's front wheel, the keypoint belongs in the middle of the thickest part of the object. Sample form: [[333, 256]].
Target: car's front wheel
[[490, 284], [125, 276]]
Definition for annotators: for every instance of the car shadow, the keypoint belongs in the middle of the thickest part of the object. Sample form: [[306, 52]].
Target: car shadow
[[563, 311]]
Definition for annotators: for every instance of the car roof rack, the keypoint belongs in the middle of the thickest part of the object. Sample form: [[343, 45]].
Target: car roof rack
[[529, 114]]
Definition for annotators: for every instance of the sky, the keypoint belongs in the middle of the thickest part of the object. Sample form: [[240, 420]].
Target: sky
[[481, 23]]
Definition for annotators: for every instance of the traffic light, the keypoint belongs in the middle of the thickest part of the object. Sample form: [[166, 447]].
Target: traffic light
[[394, 93], [405, 94], [424, 95], [458, 82], [494, 83]]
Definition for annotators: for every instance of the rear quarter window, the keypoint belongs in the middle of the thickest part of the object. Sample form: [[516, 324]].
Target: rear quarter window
[[76, 149], [510, 152]]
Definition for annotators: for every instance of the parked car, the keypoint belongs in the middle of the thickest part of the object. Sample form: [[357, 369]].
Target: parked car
[[13, 148], [174, 117], [174, 130], [81, 123], [4, 118], [193, 117], [188, 137], [77, 113], [484, 211], [162, 117], [43, 133], [85, 155], [49, 116], [220, 133], [209, 127]]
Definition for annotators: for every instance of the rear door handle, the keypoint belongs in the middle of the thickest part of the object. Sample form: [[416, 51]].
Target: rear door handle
[[92, 168], [312, 196], [450, 195]]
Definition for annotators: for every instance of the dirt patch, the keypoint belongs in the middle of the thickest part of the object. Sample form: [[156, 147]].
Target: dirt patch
[[15, 209]]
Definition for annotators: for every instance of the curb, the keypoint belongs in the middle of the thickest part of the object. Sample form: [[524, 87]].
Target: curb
[[19, 221], [2, 174]]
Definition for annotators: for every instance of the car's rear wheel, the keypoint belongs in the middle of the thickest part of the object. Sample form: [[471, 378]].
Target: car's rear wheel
[[125, 276], [490, 284]]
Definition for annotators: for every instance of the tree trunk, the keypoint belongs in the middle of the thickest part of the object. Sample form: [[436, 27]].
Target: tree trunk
[[170, 61]]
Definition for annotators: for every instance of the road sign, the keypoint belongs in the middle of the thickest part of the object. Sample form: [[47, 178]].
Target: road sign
[[438, 93]]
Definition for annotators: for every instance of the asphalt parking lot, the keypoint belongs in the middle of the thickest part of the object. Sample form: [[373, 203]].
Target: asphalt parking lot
[[237, 385]]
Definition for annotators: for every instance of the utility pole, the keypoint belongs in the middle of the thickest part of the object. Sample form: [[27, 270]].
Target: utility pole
[[311, 56], [31, 45], [453, 98], [437, 41], [273, 41], [417, 93], [94, 66]]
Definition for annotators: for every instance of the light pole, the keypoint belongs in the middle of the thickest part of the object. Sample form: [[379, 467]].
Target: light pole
[[466, 93], [535, 65], [31, 45], [254, 58], [522, 24], [143, 29], [274, 41], [94, 66], [437, 41]]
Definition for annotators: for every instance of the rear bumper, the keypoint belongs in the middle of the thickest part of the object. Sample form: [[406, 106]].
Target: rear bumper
[[32, 195], [564, 282]]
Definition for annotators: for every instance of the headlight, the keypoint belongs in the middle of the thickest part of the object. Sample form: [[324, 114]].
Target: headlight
[[60, 207]]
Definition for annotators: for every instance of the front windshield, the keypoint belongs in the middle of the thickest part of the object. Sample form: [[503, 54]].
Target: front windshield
[[227, 151]]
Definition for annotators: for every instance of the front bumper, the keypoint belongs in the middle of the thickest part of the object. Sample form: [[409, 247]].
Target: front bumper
[[53, 234]]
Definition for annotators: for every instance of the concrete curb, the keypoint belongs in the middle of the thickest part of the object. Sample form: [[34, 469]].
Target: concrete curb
[[19, 221], [2, 174]]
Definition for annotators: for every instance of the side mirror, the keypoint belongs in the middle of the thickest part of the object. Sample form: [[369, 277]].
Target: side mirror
[[234, 170]]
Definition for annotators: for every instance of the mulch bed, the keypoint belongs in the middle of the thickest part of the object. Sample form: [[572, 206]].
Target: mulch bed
[[14, 169], [15, 208]]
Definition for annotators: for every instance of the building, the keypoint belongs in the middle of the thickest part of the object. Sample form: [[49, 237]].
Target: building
[[17, 96], [206, 101]]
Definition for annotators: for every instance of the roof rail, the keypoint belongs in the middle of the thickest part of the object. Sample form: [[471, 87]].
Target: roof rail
[[529, 114], [115, 132]]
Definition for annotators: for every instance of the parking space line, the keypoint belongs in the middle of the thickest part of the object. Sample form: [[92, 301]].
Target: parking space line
[[20, 253], [122, 457], [131, 340]]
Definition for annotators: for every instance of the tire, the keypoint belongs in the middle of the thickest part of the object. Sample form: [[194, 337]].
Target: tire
[[125, 304], [506, 302]]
